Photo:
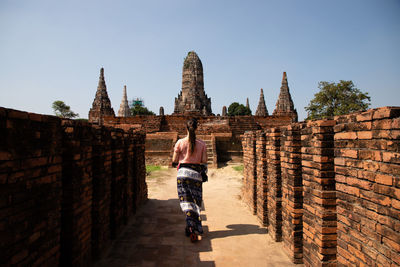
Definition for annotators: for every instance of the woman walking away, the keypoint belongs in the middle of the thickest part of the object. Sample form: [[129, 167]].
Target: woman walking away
[[191, 154]]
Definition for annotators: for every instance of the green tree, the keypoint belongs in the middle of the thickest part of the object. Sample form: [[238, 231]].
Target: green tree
[[138, 108], [62, 110], [236, 109], [336, 99]]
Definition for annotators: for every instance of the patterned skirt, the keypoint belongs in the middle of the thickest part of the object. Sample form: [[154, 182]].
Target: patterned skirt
[[190, 193]]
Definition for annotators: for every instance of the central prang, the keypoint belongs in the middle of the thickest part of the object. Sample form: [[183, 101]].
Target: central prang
[[192, 100]]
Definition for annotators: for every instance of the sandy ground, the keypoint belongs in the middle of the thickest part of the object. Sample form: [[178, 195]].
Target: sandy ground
[[232, 235]]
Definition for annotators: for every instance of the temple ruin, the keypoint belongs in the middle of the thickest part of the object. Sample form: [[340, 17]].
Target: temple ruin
[[101, 106], [329, 190], [192, 100], [284, 105], [124, 110], [221, 133], [261, 108]]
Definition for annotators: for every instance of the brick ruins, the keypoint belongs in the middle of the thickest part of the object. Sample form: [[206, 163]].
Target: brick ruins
[[101, 105], [284, 105], [192, 100], [124, 110], [329, 189], [261, 108], [222, 133], [67, 188]]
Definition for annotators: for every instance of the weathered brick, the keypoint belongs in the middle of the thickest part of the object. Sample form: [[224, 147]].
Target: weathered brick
[[364, 135], [391, 157], [370, 155], [39, 191], [346, 135], [365, 116], [386, 112], [384, 179]]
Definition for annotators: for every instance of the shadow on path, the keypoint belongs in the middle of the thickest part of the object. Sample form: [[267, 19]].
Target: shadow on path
[[236, 230], [156, 237]]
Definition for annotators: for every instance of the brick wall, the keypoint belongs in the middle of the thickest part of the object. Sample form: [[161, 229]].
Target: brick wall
[[249, 193], [367, 166], [58, 181], [262, 185], [30, 188], [161, 132], [292, 192], [77, 191], [340, 184], [319, 196], [274, 181], [102, 154]]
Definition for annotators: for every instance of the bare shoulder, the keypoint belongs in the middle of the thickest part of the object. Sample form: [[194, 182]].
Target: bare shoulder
[[181, 140]]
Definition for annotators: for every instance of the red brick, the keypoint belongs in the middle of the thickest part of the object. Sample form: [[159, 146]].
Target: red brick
[[382, 124], [346, 135], [370, 155], [391, 157], [35, 117], [384, 134], [5, 155], [395, 203], [365, 116], [19, 257], [339, 161], [395, 123], [393, 169], [372, 166], [384, 179], [386, 112], [364, 135], [390, 243], [348, 189], [16, 114]]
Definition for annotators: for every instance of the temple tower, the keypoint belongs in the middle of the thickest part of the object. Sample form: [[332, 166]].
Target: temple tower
[[161, 111], [247, 103], [261, 108], [124, 110], [101, 104], [284, 105], [224, 113], [192, 100]]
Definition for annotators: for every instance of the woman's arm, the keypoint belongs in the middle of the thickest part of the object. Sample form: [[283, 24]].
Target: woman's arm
[[175, 157]]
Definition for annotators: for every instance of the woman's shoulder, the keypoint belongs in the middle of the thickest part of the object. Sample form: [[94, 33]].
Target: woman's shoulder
[[182, 140], [200, 141]]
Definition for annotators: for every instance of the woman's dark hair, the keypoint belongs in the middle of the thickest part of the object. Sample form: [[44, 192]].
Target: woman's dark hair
[[191, 126]]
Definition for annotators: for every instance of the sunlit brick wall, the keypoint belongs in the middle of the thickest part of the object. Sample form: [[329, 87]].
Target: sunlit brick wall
[[340, 184]]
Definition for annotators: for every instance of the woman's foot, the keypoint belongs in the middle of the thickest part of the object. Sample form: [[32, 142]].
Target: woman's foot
[[193, 237], [187, 231]]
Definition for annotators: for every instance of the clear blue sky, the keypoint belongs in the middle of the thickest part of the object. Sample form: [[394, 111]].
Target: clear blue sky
[[53, 50]]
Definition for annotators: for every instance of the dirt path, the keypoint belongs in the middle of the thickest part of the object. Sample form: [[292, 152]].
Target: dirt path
[[233, 236]]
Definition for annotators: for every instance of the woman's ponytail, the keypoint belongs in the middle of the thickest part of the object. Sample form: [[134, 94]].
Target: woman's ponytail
[[191, 126]]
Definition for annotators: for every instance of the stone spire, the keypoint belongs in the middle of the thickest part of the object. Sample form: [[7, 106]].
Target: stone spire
[[192, 100], [224, 113], [101, 104], [161, 111], [247, 103], [284, 105], [124, 110], [261, 108]]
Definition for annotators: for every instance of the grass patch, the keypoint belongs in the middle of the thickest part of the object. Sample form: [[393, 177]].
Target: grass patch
[[152, 168], [238, 168]]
